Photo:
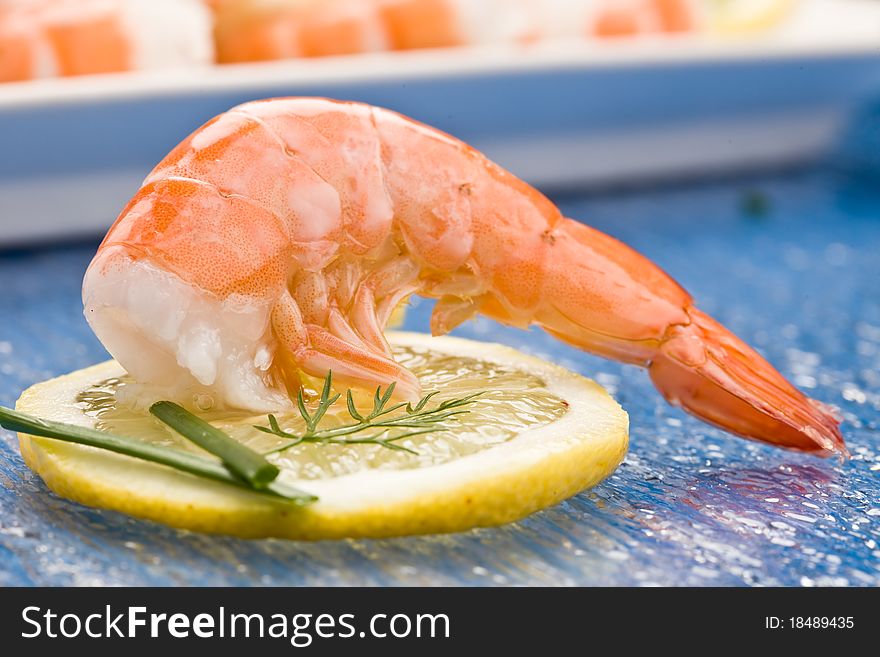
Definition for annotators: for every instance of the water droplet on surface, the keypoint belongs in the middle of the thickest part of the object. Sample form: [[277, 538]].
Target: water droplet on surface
[[798, 516], [836, 254], [203, 401]]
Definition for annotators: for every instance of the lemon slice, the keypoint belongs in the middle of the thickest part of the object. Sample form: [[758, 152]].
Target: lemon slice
[[538, 435], [745, 17]]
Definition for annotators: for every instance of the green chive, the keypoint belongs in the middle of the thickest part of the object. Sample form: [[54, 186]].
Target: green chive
[[242, 461], [168, 456]]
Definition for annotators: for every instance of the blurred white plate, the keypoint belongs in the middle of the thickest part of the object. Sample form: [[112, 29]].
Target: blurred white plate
[[72, 151]]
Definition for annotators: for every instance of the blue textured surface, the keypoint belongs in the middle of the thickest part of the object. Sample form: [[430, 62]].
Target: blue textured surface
[[691, 505]]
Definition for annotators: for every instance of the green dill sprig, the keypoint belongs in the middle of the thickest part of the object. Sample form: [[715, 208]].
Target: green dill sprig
[[416, 419]]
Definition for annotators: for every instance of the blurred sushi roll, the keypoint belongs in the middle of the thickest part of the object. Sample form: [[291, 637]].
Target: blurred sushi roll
[[253, 30], [631, 17], [414, 24], [49, 38]]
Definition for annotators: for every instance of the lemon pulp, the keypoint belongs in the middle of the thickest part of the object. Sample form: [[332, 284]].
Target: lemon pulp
[[511, 402]]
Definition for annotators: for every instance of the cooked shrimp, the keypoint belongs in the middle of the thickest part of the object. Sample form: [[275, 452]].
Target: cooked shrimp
[[276, 240], [47, 38]]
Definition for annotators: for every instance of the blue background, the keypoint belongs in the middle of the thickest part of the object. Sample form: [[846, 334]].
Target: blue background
[[690, 505]]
